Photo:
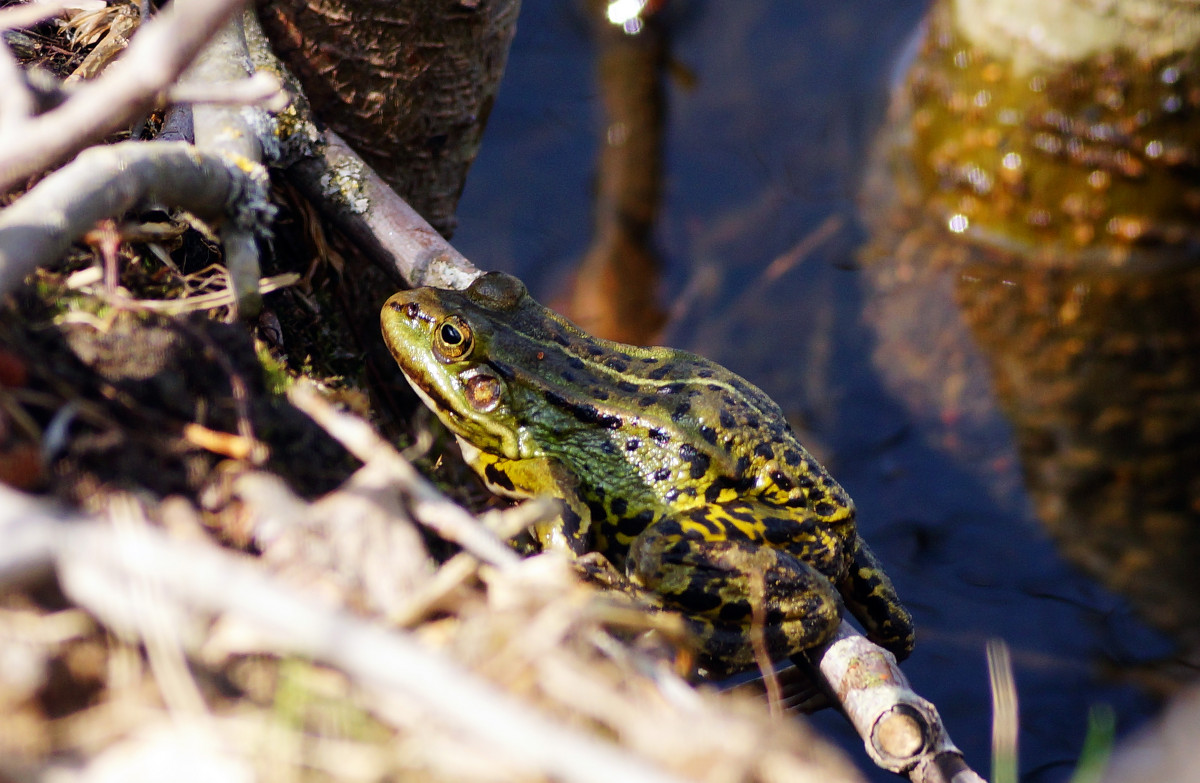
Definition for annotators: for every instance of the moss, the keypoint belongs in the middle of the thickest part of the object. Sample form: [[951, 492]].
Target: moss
[[275, 372]]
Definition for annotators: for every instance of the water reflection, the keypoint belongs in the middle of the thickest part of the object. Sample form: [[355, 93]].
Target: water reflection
[[1100, 375], [1032, 225], [1074, 146], [615, 289]]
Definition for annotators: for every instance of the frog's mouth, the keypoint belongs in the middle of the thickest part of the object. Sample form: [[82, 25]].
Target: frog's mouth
[[483, 430], [435, 401]]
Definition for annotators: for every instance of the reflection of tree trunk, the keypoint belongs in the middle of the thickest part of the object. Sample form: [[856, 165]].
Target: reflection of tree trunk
[[1028, 133], [1051, 185], [409, 84], [615, 291], [1100, 376]]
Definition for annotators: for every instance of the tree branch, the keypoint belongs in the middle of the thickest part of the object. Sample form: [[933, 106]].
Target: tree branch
[[348, 192], [239, 133], [901, 731], [160, 51], [104, 181]]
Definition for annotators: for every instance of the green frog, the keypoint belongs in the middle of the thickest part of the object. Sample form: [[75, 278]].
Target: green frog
[[683, 476]]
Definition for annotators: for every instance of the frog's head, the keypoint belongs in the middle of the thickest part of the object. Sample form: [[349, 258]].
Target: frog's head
[[442, 340]]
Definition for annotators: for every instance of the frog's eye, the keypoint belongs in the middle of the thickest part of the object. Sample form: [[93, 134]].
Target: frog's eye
[[483, 392], [453, 338]]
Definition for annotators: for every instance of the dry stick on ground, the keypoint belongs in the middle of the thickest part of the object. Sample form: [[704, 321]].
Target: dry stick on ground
[[108, 572], [160, 51], [447, 518], [108, 180]]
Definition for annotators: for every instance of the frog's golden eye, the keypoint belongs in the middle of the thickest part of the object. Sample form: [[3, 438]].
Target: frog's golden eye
[[453, 338], [483, 392]]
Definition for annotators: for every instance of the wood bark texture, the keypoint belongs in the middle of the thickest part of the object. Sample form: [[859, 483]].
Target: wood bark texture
[[408, 84]]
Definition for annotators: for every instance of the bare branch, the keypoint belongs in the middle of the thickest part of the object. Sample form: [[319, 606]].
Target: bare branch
[[259, 89], [160, 51], [16, 101], [381, 223], [430, 506], [106, 181], [239, 133], [902, 732], [29, 14]]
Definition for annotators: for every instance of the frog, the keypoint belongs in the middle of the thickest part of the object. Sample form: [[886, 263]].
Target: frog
[[677, 473]]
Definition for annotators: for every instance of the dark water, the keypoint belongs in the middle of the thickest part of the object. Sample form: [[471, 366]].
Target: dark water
[[765, 148]]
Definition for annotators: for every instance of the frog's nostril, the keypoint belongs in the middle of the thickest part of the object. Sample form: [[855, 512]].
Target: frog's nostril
[[411, 309]]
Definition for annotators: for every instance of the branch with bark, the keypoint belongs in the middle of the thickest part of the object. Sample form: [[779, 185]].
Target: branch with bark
[[135, 83], [109, 180]]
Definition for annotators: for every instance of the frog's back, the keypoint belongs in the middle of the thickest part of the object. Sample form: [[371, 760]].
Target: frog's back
[[693, 432]]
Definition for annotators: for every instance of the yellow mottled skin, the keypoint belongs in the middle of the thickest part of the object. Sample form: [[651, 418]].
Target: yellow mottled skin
[[681, 474]]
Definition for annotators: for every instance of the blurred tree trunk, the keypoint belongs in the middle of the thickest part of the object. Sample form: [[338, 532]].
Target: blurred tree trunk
[[615, 293], [408, 84]]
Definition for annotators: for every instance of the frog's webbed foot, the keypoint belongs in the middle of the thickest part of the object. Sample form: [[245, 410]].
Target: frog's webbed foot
[[871, 598], [731, 589]]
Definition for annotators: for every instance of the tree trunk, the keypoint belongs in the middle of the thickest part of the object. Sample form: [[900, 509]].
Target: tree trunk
[[408, 84]]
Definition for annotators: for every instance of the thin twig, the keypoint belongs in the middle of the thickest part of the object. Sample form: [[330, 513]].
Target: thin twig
[[162, 49], [758, 640], [431, 507], [107, 181], [213, 300]]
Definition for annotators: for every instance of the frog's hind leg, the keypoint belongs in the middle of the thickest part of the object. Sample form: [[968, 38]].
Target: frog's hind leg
[[730, 587], [871, 598]]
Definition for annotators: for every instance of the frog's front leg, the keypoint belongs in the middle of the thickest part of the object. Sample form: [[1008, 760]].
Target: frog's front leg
[[568, 531], [728, 586], [870, 596]]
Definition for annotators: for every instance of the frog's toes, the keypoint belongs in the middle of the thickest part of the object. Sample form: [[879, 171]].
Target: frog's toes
[[870, 596]]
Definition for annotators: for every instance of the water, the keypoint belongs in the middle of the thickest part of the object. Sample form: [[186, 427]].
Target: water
[[765, 145]]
